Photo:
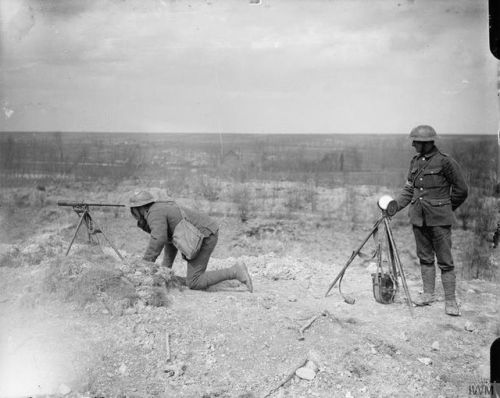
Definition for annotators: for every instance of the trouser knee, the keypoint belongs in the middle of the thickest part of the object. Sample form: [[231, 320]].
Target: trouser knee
[[194, 284], [196, 281]]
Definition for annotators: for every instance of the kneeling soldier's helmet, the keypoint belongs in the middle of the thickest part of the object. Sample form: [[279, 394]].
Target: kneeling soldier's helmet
[[141, 198], [423, 133]]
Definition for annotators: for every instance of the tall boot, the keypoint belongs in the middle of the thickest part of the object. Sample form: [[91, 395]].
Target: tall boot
[[449, 286], [242, 274], [428, 272], [209, 278]]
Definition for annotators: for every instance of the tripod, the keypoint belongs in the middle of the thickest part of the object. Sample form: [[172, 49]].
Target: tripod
[[395, 267], [83, 212]]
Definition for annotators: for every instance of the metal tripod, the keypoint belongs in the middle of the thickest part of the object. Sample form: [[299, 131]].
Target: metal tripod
[[396, 269], [92, 229]]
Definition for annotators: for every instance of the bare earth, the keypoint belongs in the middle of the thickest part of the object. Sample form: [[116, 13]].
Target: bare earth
[[227, 342]]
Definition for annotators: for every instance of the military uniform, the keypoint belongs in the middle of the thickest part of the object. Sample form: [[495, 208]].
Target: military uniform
[[161, 219], [434, 189]]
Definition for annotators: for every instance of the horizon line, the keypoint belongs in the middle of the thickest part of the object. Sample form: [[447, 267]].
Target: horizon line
[[220, 133]]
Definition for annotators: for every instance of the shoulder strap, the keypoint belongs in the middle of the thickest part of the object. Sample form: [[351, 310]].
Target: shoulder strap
[[183, 215]]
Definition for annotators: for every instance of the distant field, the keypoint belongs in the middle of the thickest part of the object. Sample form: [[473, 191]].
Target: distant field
[[326, 160]]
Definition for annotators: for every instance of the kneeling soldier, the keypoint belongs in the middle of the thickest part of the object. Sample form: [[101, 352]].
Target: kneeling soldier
[[435, 188], [159, 219]]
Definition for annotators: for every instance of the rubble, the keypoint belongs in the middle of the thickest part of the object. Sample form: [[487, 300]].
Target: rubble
[[425, 361], [469, 326]]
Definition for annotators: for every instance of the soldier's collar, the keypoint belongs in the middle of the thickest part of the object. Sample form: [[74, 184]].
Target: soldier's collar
[[429, 155]]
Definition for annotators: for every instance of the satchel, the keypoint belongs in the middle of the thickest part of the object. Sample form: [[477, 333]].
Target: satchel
[[383, 288], [187, 238], [385, 284]]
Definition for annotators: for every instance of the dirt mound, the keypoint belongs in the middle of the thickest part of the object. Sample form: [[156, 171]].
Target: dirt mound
[[92, 276]]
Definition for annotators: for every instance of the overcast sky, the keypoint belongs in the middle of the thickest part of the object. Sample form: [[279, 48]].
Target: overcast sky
[[289, 66]]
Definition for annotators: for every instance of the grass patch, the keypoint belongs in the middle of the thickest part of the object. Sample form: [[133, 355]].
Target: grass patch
[[87, 280]]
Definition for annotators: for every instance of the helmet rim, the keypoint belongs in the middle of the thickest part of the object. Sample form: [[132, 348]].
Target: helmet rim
[[423, 133], [140, 198]]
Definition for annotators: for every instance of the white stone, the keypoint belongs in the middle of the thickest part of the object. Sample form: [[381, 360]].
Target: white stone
[[123, 369], [305, 373], [311, 365], [469, 326], [435, 346], [425, 361]]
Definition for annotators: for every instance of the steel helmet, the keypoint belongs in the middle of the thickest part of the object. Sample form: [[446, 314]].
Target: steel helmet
[[140, 198], [423, 133]]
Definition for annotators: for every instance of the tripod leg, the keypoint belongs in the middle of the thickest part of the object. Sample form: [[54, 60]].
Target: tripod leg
[[341, 273], [391, 254], [400, 267], [76, 232], [107, 240], [353, 256]]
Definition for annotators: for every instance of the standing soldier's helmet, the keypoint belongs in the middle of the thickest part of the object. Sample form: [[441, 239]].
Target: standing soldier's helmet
[[141, 198], [423, 133]]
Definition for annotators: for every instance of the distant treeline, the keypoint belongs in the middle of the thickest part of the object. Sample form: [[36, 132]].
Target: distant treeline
[[326, 159]]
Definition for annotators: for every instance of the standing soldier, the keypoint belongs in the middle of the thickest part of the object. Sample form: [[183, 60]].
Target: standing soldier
[[159, 219], [435, 188]]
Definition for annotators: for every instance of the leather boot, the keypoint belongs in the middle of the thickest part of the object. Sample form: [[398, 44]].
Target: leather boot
[[210, 278], [449, 285], [242, 274], [429, 281]]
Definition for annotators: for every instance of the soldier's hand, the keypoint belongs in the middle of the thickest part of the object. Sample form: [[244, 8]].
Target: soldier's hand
[[141, 265]]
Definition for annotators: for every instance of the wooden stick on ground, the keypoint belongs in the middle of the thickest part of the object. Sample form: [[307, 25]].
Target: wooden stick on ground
[[310, 322], [287, 378], [167, 346]]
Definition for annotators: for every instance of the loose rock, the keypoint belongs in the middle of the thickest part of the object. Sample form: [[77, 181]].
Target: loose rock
[[305, 373], [311, 365], [123, 369], [425, 361], [435, 346], [469, 326]]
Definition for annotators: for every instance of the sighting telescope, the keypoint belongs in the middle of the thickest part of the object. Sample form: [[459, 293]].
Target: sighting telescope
[[388, 205]]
